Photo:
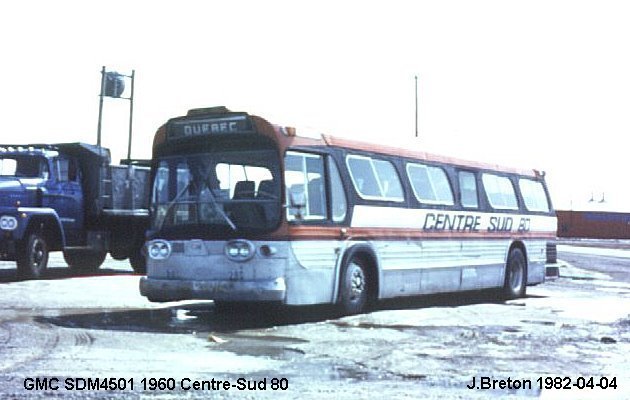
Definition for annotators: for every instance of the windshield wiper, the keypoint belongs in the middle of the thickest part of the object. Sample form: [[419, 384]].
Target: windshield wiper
[[216, 206], [172, 202]]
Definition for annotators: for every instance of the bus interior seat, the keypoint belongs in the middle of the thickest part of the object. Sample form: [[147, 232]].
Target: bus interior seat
[[244, 190], [246, 214], [268, 190]]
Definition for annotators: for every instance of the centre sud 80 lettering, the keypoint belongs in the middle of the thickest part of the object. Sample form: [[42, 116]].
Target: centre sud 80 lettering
[[474, 223]]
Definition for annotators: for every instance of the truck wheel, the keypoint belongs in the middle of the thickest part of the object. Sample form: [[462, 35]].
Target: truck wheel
[[138, 261], [84, 260], [119, 254], [33, 258], [353, 288], [515, 282]]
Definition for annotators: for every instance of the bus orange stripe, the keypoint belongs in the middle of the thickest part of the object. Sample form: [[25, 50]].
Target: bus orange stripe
[[318, 232]]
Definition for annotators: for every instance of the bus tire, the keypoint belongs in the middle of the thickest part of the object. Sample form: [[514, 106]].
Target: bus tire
[[354, 286], [515, 283], [84, 260], [32, 260]]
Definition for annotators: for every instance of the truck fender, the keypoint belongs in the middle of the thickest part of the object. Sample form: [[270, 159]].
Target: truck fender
[[46, 216]]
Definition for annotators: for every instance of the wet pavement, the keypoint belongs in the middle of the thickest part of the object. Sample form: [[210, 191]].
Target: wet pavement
[[65, 330]]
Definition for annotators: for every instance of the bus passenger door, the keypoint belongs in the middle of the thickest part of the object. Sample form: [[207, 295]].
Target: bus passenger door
[[315, 198]]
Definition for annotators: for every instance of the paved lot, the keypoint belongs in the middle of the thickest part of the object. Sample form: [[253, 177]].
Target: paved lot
[[75, 328]]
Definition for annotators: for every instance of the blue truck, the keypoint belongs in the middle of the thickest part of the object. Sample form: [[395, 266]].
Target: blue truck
[[69, 197]]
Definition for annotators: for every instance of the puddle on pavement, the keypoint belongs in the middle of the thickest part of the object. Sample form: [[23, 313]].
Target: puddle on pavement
[[246, 333], [191, 318], [204, 316]]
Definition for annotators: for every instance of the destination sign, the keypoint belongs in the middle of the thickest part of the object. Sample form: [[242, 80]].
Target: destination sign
[[208, 126]]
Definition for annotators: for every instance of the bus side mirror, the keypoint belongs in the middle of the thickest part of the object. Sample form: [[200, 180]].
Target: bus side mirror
[[297, 201]]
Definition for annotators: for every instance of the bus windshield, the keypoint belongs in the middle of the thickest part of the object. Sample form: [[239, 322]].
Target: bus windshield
[[229, 191]]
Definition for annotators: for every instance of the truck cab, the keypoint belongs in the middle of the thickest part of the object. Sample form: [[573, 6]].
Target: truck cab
[[68, 197]]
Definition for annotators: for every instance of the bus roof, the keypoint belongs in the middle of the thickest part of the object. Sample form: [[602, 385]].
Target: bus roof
[[289, 136], [319, 139], [422, 155]]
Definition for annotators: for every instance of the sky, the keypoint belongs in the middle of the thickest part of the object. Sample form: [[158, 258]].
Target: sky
[[533, 84]]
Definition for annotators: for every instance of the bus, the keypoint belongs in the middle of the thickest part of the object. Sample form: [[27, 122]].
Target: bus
[[244, 210]]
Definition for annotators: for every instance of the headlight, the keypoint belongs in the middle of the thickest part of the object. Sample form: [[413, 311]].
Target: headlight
[[8, 223], [239, 250], [159, 249]]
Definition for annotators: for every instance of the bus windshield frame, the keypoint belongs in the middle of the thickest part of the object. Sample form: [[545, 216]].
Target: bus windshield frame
[[217, 193]]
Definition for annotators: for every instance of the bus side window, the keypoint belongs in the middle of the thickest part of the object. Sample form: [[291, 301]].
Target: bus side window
[[534, 195], [468, 189], [374, 179], [430, 184], [499, 191]]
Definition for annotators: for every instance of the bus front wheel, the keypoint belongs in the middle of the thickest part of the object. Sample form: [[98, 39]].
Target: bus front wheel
[[515, 282], [353, 288]]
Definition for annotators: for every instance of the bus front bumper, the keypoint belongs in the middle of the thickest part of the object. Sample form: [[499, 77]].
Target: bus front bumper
[[160, 290]]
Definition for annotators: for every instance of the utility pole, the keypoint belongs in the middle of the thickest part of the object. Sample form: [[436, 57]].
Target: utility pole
[[113, 85], [100, 108], [133, 73]]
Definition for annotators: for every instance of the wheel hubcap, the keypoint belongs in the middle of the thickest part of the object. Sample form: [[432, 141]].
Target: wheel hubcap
[[516, 276], [37, 254], [357, 282]]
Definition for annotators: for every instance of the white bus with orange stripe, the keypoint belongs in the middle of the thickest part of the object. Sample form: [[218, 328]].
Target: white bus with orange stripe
[[244, 210]]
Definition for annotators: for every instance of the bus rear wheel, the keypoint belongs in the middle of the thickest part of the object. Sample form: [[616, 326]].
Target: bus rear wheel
[[353, 288], [515, 282]]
